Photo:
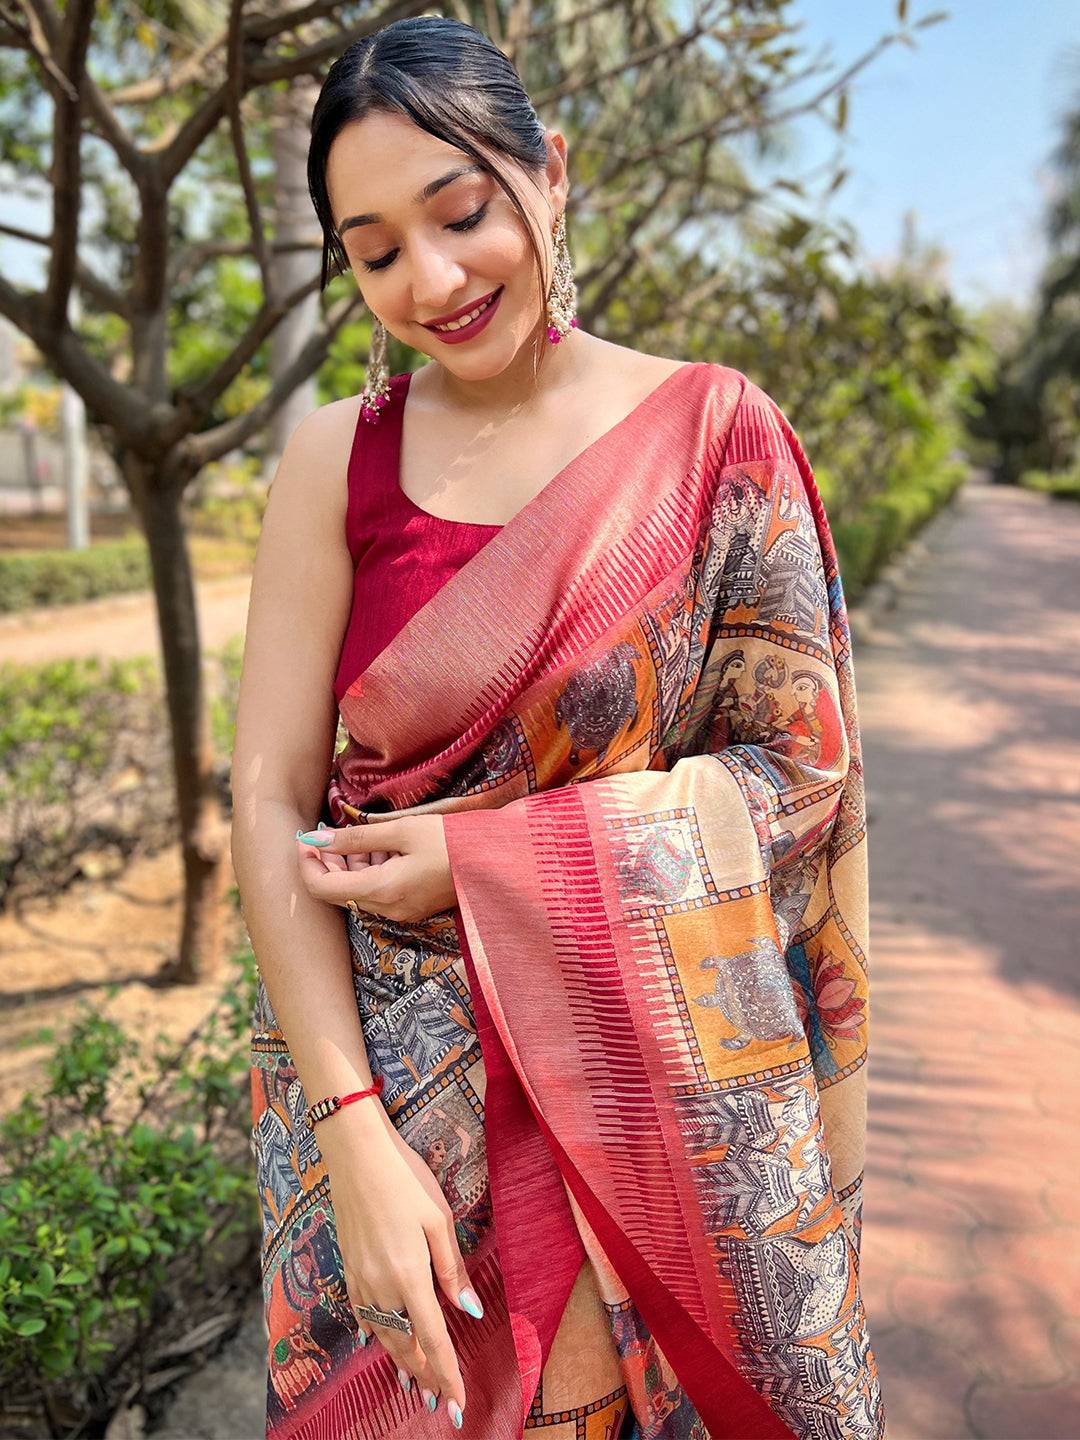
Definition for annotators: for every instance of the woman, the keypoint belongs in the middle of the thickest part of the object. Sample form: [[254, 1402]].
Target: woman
[[587, 898]]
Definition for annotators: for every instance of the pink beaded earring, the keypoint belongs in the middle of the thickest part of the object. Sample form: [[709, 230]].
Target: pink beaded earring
[[376, 391], [562, 301]]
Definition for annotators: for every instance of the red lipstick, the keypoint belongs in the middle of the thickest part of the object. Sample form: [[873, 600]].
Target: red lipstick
[[467, 332]]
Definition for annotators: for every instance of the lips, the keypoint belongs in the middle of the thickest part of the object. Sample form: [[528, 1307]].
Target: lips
[[462, 310]]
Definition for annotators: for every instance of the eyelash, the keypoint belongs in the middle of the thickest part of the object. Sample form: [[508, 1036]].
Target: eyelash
[[466, 224]]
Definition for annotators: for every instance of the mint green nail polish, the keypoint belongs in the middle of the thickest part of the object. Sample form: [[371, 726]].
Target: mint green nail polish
[[455, 1414], [471, 1303], [314, 837], [433, 1400]]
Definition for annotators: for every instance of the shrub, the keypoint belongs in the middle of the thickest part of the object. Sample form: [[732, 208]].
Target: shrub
[[125, 1194], [82, 744], [1062, 484], [29, 578]]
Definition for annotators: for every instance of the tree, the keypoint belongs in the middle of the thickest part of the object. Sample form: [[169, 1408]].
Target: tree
[[159, 191], [1028, 407]]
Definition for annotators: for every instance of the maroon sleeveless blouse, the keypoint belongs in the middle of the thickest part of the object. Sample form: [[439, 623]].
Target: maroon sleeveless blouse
[[401, 555]]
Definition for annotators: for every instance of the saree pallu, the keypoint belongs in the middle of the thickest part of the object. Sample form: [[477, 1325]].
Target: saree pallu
[[635, 708]]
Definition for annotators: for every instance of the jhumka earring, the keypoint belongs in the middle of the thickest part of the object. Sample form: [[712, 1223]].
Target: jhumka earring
[[376, 391], [562, 301]]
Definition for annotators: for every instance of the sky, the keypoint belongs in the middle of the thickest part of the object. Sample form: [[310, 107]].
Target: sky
[[958, 130]]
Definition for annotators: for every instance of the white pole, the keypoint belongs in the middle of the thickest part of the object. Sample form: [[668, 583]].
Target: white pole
[[73, 439]]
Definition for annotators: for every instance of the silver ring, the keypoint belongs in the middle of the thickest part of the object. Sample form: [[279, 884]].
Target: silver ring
[[396, 1319]]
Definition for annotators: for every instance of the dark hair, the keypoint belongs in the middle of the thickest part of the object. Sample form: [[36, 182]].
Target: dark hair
[[451, 80]]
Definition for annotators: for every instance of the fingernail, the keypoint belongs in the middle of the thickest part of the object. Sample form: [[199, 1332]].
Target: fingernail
[[363, 1337], [314, 837], [429, 1399], [404, 1378], [471, 1301], [455, 1414], [323, 825]]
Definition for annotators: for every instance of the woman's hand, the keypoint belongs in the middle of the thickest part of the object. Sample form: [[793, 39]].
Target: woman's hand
[[396, 868], [394, 1228]]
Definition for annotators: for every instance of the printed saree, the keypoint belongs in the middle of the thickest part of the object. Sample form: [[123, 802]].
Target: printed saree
[[635, 1051]]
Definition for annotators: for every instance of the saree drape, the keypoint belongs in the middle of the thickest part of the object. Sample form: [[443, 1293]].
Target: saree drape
[[635, 708]]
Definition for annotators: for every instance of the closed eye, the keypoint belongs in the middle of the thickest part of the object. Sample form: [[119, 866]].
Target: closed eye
[[466, 224]]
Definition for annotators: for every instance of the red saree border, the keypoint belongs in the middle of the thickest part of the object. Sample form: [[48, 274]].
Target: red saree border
[[728, 1405]]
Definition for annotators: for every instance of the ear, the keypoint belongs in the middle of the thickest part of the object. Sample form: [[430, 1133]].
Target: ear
[[557, 177]]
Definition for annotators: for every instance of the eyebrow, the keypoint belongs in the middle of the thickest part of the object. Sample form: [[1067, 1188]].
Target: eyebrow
[[420, 198]]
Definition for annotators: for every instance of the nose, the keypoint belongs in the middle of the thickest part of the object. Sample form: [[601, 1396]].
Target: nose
[[436, 279]]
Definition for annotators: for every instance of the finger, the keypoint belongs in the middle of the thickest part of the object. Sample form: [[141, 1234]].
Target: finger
[[406, 1352], [385, 835], [315, 866], [372, 886], [330, 878], [334, 862], [433, 1336], [449, 1267]]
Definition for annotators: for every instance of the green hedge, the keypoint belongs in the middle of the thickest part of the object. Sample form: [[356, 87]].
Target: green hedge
[[1062, 484], [890, 520], [29, 578]]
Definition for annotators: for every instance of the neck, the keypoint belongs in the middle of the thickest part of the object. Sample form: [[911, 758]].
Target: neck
[[519, 386]]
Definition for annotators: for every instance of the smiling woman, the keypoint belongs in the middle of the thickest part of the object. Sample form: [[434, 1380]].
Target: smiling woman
[[562, 1127]]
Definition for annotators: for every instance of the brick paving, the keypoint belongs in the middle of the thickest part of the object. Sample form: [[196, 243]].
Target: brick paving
[[969, 698]]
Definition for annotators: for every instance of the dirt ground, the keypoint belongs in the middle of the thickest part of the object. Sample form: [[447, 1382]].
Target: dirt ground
[[62, 953]]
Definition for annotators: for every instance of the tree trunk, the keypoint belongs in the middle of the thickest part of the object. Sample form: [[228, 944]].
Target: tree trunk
[[294, 219], [204, 833]]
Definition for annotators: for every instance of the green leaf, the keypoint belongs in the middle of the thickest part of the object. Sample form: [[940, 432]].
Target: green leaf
[[30, 1327]]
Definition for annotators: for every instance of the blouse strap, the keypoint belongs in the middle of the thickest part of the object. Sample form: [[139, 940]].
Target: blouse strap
[[373, 463]]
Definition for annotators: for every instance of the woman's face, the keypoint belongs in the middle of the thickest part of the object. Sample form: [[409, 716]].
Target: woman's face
[[418, 259]]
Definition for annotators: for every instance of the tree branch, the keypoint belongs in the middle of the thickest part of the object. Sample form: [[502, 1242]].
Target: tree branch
[[198, 450], [235, 93], [201, 398], [111, 403], [65, 175], [176, 148], [99, 290], [193, 68], [40, 37], [197, 254]]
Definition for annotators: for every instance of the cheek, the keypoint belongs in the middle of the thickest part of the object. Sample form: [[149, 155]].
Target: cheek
[[500, 250]]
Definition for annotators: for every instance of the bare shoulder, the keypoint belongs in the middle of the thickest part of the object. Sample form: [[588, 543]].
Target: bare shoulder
[[323, 439], [637, 369]]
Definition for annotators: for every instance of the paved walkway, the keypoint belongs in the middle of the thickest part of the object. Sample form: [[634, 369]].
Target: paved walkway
[[970, 706], [116, 626]]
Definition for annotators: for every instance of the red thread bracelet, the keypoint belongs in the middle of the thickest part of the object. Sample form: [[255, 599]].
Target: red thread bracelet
[[322, 1109]]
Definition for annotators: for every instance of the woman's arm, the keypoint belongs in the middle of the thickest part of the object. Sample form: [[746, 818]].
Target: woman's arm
[[286, 723]]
